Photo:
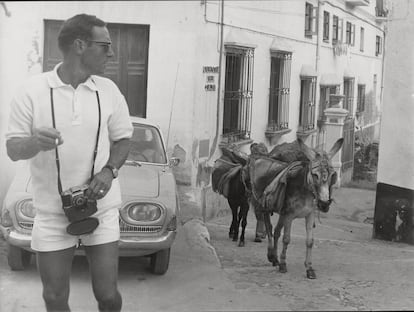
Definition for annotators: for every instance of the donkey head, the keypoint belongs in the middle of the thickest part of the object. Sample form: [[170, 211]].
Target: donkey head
[[321, 175]]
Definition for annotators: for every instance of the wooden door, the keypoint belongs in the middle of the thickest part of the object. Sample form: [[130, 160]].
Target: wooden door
[[128, 68]]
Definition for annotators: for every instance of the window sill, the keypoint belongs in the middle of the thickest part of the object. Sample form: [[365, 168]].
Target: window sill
[[305, 133], [275, 133], [237, 143]]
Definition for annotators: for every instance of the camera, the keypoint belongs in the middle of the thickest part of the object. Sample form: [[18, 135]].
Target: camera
[[76, 205]]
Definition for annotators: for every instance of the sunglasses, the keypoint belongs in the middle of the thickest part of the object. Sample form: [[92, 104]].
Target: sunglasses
[[105, 44]]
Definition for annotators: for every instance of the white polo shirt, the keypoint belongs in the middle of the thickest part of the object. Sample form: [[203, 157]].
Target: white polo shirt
[[76, 117]]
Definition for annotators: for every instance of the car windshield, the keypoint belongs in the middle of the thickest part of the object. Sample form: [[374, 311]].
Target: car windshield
[[146, 145]]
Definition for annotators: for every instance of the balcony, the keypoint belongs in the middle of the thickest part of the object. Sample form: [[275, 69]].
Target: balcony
[[357, 2], [380, 14]]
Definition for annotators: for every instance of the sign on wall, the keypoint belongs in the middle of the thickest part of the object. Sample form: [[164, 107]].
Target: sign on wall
[[210, 72]]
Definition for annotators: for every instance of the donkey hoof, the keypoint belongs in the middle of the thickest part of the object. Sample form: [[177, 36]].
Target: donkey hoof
[[257, 239], [241, 244], [275, 262], [282, 268], [310, 273], [235, 238], [272, 258]]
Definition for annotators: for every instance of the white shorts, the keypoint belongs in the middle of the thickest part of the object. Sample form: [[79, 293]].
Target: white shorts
[[49, 231]]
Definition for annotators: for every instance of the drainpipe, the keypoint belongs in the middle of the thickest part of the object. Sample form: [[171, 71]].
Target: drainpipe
[[214, 144], [382, 70]]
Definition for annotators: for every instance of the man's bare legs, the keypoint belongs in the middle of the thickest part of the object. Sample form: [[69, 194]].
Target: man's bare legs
[[55, 268], [103, 264]]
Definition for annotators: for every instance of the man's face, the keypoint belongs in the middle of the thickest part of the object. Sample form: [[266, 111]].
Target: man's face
[[98, 51]]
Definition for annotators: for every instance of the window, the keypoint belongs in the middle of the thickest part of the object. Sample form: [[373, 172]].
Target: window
[[335, 24], [350, 34], [380, 10], [310, 20], [361, 98], [279, 91], [238, 93], [307, 103], [146, 145], [378, 45], [349, 95], [361, 43], [324, 100], [325, 26]]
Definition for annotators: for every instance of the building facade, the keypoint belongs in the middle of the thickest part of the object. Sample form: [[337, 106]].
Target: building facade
[[211, 73], [394, 204]]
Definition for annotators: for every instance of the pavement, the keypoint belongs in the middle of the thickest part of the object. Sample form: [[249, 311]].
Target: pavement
[[354, 271], [350, 204], [214, 274]]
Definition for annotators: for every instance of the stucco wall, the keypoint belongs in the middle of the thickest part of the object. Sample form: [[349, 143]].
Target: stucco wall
[[185, 37], [396, 150]]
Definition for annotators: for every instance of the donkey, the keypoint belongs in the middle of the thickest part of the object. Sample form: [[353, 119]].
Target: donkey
[[293, 190], [227, 181]]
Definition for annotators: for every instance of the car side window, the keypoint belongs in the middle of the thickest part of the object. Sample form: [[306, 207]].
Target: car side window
[[146, 145]]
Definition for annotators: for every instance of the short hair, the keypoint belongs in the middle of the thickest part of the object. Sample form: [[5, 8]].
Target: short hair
[[77, 27]]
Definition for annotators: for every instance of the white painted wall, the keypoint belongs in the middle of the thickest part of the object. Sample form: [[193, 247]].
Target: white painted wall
[[184, 37], [396, 149]]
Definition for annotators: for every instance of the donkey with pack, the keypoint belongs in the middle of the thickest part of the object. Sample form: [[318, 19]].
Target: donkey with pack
[[294, 181]]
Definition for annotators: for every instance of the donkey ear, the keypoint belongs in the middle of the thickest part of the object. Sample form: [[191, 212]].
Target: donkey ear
[[335, 148], [309, 153]]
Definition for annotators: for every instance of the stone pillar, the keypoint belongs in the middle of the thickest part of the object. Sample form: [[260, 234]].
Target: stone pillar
[[335, 118]]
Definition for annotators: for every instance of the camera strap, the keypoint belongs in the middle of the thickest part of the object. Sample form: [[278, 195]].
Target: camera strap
[[56, 149]]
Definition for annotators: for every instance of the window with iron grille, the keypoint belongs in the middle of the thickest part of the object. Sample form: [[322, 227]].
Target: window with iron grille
[[378, 45], [324, 99], [350, 34], [325, 26], [362, 38], [335, 24], [349, 95], [361, 98], [279, 91], [238, 93], [307, 103]]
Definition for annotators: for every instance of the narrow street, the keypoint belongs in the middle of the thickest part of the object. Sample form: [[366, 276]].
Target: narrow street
[[354, 272]]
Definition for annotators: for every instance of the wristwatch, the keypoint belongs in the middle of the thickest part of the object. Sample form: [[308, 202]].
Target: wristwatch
[[113, 169]]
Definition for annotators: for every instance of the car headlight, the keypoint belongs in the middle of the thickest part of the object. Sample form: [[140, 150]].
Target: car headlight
[[144, 212], [26, 208]]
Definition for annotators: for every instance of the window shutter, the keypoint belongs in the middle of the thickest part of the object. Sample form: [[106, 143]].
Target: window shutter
[[314, 30], [340, 30], [353, 34]]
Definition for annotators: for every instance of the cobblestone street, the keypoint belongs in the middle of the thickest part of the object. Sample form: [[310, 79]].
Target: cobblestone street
[[354, 272]]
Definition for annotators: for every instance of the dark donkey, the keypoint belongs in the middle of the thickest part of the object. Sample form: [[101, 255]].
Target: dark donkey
[[227, 180], [293, 187]]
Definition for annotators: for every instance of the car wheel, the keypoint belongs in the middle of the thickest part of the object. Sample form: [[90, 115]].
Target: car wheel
[[18, 258], [160, 261]]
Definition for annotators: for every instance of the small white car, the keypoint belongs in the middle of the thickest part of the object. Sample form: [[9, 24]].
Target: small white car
[[149, 211]]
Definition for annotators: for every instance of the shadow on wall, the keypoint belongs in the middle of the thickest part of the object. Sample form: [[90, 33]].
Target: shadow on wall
[[182, 172]]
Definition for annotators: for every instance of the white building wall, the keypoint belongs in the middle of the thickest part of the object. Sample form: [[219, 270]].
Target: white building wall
[[396, 149], [185, 37]]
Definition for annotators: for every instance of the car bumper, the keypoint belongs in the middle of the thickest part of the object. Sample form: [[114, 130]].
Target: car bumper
[[140, 246], [16, 238], [128, 245]]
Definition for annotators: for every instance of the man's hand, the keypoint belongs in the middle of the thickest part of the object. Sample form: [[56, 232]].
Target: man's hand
[[100, 184], [47, 138], [43, 139]]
